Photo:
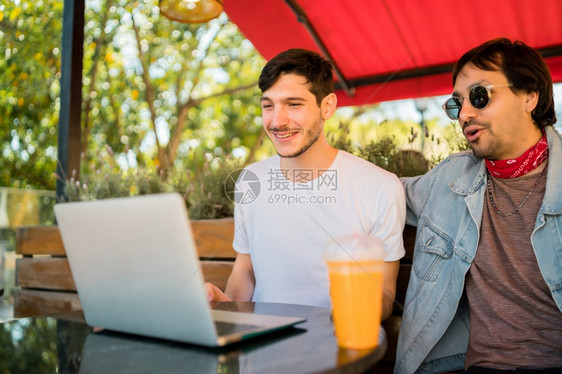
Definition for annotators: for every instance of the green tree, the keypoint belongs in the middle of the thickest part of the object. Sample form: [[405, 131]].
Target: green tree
[[158, 93], [30, 38], [165, 94]]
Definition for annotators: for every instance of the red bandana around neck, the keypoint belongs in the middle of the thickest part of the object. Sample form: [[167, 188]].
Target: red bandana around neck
[[524, 164]]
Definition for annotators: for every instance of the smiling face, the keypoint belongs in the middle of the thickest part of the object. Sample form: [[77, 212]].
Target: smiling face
[[504, 129], [292, 118]]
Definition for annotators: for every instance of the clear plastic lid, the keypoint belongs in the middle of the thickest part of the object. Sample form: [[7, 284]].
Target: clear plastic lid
[[356, 247]]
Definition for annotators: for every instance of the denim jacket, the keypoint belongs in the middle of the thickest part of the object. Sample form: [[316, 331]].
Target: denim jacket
[[446, 205]]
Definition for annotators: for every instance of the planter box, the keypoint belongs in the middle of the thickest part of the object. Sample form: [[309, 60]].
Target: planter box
[[44, 280]]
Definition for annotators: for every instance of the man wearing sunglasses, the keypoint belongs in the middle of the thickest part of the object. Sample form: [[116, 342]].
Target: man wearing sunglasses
[[485, 293]]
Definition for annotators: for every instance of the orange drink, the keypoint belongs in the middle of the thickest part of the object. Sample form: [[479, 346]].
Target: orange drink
[[356, 291], [355, 274]]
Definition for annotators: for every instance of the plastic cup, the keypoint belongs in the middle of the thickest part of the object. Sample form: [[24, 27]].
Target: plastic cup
[[355, 267]]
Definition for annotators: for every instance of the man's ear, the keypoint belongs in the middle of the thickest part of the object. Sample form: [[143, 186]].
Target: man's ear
[[328, 105], [531, 101]]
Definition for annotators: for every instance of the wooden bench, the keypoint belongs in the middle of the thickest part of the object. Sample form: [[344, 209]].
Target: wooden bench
[[45, 284]]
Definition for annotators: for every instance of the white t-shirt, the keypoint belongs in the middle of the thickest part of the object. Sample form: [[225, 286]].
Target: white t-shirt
[[284, 225]]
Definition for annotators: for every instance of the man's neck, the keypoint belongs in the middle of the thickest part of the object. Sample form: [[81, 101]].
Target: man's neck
[[318, 157], [527, 163]]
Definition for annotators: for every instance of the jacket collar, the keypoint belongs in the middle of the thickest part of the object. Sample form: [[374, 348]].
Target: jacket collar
[[552, 203]]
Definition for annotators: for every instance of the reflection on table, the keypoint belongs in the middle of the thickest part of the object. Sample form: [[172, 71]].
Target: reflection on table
[[67, 344]]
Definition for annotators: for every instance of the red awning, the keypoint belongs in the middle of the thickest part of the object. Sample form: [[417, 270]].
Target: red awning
[[390, 49]]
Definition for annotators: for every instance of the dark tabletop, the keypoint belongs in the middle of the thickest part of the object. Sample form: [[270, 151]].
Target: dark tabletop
[[65, 344]]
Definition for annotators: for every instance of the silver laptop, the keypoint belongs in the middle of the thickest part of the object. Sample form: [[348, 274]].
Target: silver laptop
[[137, 271]]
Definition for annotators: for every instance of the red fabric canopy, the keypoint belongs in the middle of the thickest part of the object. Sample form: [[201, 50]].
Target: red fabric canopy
[[390, 49]]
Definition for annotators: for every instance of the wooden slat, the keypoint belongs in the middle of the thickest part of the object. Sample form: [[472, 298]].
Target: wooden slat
[[217, 272], [44, 273], [33, 240], [29, 303], [214, 237]]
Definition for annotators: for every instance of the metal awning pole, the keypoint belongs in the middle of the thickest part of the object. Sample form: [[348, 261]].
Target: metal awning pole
[[71, 92], [303, 18]]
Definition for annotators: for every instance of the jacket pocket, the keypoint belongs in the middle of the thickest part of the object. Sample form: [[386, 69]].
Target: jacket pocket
[[432, 251]]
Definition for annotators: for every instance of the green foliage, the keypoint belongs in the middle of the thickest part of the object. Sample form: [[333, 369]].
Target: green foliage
[[209, 194], [104, 185], [454, 140], [385, 154], [108, 180], [394, 144], [29, 88], [380, 153], [36, 353], [157, 92], [340, 138], [204, 189], [41, 345], [384, 151]]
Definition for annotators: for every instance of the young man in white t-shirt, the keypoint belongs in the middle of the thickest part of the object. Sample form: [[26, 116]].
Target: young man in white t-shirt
[[291, 205]]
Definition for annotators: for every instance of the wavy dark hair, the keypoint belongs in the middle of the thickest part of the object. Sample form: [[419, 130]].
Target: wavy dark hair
[[316, 69], [523, 67]]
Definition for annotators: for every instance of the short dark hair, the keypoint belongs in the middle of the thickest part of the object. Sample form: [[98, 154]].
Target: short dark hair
[[523, 67], [316, 69]]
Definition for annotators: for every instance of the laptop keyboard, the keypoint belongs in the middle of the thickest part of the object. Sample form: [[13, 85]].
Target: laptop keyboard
[[226, 328]]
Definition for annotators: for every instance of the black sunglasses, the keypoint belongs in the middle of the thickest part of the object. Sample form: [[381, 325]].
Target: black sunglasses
[[479, 98]]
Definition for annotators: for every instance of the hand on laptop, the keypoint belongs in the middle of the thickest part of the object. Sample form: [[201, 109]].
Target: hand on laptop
[[214, 293]]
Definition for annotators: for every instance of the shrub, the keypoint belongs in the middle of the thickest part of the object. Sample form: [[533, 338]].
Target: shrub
[[385, 154], [204, 191]]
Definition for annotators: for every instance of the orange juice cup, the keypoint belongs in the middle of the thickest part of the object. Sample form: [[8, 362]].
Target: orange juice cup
[[355, 273]]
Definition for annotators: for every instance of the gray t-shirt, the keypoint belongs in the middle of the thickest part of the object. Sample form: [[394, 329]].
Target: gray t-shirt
[[514, 321]]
